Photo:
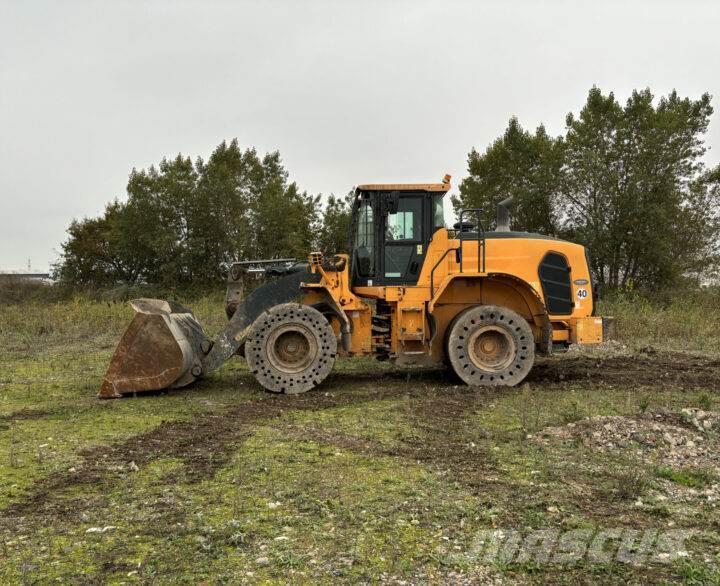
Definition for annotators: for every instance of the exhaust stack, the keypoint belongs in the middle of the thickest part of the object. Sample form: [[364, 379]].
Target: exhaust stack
[[503, 215]]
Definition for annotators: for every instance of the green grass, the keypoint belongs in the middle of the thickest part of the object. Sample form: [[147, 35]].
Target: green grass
[[692, 478], [377, 476]]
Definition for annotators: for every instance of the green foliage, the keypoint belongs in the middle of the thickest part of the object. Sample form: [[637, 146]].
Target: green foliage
[[627, 182], [635, 190], [693, 573], [17, 290], [284, 221], [704, 402], [183, 220], [335, 231], [98, 252], [523, 165]]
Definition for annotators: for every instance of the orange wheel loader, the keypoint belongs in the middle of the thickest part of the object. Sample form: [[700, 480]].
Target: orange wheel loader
[[409, 290]]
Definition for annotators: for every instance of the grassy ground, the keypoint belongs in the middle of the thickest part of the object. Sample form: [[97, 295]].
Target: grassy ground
[[377, 476]]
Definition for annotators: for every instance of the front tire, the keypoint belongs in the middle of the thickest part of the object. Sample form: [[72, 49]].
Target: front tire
[[489, 345], [291, 348]]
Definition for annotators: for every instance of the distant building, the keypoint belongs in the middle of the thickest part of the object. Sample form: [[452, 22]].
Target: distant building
[[42, 277]]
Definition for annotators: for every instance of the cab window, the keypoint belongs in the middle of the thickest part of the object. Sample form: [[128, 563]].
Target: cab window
[[438, 212], [405, 223], [365, 240]]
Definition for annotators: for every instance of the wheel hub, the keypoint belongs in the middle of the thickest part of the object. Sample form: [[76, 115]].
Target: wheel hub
[[291, 348], [491, 348]]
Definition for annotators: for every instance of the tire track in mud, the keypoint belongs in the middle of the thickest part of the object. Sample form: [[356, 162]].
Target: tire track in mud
[[439, 444], [25, 414], [207, 442], [647, 367], [204, 444]]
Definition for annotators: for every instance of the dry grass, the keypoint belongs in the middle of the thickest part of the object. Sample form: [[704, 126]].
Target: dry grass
[[31, 325], [685, 321]]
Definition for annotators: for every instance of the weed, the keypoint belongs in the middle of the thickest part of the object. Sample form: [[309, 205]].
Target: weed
[[687, 322], [13, 461], [643, 404], [695, 574], [660, 511], [572, 412], [704, 401], [630, 484], [692, 478], [529, 411]]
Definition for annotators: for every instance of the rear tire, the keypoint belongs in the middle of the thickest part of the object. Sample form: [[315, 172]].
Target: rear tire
[[489, 345], [291, 348]]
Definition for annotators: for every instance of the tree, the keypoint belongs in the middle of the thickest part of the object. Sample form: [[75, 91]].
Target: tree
[[634, 188], [284, 219], [627, 182], [96, 253], [335, 230], [182, 221], [158, 221], [221, 215], [519, 164]]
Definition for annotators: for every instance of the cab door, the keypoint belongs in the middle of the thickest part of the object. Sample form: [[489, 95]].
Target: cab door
[[404, 241], [365, 253]]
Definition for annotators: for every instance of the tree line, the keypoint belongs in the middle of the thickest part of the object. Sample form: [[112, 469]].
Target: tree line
[[183, 220], [627, 181]]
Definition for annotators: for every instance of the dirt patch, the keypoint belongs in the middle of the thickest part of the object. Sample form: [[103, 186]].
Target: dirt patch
[[25, 414], [644, 368], [343, 441], [437, 418]]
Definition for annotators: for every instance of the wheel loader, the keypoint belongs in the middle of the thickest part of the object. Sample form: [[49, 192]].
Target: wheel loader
[[409, 290]]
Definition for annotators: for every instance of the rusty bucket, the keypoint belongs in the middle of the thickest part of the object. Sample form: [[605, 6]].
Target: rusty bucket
[[160, 349]]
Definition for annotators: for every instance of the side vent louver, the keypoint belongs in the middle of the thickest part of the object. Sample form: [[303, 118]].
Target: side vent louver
[[554, 275]]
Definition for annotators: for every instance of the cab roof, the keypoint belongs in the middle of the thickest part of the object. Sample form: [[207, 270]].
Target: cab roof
[[443, 187]]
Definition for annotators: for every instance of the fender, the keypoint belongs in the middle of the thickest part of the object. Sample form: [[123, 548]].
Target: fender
[[541, 317], [535, 310]]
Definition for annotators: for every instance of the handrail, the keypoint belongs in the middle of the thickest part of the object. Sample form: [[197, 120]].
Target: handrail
[[480, 238], [481, 245], [432, 272]]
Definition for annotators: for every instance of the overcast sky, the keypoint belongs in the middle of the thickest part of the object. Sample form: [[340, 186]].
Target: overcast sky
[[349, 92]]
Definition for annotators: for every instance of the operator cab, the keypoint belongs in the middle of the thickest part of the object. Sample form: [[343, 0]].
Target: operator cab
[[392, 226]]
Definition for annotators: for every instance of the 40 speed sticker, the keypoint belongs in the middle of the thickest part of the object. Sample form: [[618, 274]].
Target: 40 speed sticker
[[581, 293]]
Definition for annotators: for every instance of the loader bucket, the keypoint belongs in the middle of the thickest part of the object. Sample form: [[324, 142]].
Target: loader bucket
[[160, 349]]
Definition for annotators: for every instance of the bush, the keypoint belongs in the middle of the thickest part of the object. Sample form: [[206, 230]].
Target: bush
[[15, 290], [678, 319]]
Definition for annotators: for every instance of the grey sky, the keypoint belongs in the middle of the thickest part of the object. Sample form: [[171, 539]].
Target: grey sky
[[349, 92]]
